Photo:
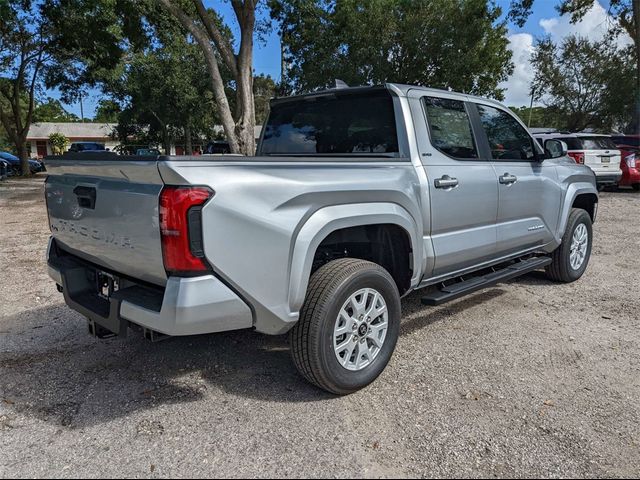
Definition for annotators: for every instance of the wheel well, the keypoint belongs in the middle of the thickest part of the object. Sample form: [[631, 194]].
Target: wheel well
[[586, 201], [387, 245]]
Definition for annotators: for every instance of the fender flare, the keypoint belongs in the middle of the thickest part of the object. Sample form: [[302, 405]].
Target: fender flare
[[329, 219], [573, 191]]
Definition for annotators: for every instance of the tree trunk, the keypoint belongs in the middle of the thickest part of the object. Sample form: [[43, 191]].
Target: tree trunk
[[166, 140], [635, 123], [240, 130], [187, 139], [21, 149]]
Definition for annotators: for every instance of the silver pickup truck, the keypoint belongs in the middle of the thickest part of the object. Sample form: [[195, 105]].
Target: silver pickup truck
[[357, 196]]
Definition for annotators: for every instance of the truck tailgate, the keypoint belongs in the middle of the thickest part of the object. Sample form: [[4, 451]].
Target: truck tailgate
[[106, 212]]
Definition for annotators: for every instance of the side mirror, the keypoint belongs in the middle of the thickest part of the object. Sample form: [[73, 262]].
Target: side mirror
[[555, 148]]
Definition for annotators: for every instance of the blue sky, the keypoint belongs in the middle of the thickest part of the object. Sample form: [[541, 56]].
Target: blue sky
[[544, 20]]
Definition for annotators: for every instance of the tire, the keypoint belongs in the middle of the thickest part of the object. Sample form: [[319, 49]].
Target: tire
[[313, 339], [636, 187], [561, 268]]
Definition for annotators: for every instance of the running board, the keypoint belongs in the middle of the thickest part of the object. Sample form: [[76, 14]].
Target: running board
[[460, 289]]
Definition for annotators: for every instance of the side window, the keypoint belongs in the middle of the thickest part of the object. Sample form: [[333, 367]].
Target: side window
[[450, 127], [508, 140]]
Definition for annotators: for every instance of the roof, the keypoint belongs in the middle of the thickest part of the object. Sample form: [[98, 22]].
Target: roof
[[399, 89], [98, 131], [569, 135]]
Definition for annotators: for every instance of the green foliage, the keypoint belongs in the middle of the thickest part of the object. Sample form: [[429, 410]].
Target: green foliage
[[164, 91], [59, 143], [591, 83], [90, 39], [107, 111], [52, 111], [460, 44], [542, 117], [626, 18], [264, 88]]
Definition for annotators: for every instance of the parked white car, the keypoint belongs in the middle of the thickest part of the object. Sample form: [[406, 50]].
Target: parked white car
[[598, 152]]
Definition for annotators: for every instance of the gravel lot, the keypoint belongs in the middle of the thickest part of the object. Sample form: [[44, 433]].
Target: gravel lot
[[527, 379]]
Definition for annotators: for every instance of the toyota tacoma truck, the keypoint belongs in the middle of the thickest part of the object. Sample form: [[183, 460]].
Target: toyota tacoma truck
[[356, 197]]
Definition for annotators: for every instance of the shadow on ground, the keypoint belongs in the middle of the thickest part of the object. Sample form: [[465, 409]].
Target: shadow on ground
[[53, 370]]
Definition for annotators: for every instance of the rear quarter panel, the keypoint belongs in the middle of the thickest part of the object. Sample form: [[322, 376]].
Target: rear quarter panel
[[253, 222]]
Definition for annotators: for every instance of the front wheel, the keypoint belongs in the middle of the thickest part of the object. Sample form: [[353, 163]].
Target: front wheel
[[348, 325], [570, 259]]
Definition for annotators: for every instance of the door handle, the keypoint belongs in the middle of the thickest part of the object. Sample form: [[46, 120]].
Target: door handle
[[446, 182], [508, 179]]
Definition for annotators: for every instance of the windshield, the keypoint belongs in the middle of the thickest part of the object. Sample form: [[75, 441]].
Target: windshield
[[333, 125]]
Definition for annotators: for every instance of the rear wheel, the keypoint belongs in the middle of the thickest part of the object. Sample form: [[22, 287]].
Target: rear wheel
[[636, 187], [348, 326], [571, 258]]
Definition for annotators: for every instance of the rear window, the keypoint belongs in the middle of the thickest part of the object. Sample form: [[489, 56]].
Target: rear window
[[589, 143], [334, 125], [623, 140]]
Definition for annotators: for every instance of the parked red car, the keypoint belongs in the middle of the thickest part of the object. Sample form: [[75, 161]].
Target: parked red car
[[629, 146]]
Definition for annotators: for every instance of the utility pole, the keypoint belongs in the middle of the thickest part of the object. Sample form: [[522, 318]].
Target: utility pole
[[81, 110], [531, 107]]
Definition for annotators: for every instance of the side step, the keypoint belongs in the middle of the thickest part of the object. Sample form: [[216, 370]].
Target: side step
[[460, 289]]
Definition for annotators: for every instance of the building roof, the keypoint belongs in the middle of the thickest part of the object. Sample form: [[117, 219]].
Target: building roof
[[71, 130]]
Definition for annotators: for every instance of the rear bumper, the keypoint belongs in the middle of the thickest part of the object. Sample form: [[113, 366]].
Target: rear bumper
[[185, 306], [608, 178]]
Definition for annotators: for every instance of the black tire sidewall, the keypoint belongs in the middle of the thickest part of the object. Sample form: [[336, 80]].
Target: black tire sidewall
[[345, 380], [582, 217]]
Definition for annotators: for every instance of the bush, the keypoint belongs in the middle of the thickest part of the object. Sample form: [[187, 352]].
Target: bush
[[59, 143]]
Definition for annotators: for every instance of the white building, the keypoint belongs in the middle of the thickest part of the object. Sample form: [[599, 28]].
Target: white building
[[40, 147], [38, 136]]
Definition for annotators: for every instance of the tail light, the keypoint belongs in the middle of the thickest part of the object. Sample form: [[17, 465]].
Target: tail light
[[630, 160], [181, 229], [577, 156]]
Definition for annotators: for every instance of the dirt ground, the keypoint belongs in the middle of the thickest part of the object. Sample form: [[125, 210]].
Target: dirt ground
[[526, 379]]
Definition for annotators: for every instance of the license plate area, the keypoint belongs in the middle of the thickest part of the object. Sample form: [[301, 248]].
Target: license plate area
[[106, 284]]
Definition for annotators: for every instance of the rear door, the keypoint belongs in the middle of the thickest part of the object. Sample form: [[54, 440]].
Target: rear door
[[106, 212], [528, 191], [463, 190]]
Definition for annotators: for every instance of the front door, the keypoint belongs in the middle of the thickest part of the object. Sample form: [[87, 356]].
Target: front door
[[463, 188], [41, 147], [528, 191]]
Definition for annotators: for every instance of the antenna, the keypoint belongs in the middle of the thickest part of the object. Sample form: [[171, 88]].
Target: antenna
[[341, 84]]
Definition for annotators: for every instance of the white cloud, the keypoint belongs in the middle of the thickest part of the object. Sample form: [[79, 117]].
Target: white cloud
[[594, 26], [517, 87]]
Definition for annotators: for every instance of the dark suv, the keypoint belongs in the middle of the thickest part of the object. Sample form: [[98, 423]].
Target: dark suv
[[87, 147]]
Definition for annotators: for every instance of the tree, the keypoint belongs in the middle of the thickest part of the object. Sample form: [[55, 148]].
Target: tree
[[460, 45], [544, 117], [23, 57], [107, 111], [59, 143], [204, 26], [626, 14], [264, 88], [52, 111], [164, 92], [576, 78]]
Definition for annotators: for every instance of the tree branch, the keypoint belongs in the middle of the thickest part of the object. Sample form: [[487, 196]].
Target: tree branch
[[222, 44], [217, 83]]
